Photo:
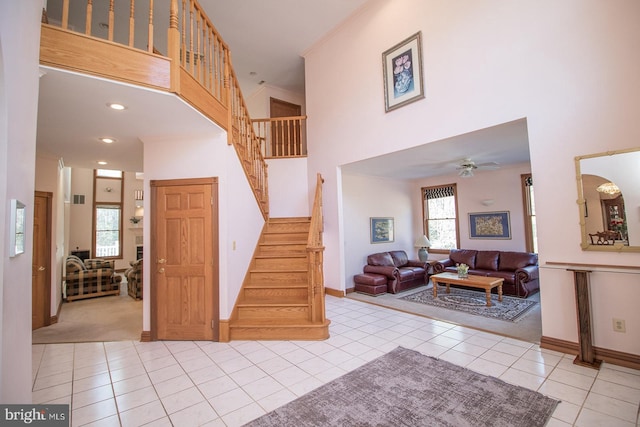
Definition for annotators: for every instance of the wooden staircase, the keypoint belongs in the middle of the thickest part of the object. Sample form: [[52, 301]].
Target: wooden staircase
[[275, 299]]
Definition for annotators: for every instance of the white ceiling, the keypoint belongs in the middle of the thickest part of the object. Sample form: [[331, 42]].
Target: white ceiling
[[267, 40], [504, 144], [270, 37]]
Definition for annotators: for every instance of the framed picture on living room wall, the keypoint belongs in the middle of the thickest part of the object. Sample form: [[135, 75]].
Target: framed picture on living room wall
[[489, 225], [381, 230], [402, 70]]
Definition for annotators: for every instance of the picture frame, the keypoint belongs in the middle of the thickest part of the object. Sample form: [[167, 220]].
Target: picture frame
[[382, 230], [402, 73], [17, 226], [490, 225]]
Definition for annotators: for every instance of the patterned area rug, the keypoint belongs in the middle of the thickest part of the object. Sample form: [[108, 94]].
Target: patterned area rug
[[474, 302], [407, 388]]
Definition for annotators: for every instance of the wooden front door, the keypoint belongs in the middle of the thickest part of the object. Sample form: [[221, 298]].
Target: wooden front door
[[41, 261], [285, 136], [184, 260]]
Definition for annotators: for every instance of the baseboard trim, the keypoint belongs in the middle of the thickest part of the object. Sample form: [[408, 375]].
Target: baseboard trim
[[54, 319], [145, 336], [614, 357], [334, 292], [224, 329], [350, 290]]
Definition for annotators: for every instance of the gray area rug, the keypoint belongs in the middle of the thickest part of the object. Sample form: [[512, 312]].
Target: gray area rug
[[474, 302], [407, 388]]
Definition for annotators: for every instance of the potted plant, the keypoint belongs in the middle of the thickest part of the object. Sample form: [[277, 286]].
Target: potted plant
[[463, 270]]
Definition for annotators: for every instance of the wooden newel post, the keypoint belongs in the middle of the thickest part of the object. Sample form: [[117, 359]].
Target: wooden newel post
[[173, 46], [586, 356]]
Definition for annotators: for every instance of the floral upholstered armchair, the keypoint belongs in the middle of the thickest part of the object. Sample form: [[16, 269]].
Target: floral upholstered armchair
[[91, 278]]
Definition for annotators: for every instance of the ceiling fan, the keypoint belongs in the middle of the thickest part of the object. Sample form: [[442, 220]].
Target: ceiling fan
[[467, 166]]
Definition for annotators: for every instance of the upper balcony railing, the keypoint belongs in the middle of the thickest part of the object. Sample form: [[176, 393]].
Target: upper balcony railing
[[282, 136], [184, 55]]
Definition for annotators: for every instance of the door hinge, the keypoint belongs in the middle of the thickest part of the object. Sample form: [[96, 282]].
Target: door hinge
[[213, 324]]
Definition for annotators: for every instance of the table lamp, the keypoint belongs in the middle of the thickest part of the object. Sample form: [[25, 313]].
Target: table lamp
[[423, 243]]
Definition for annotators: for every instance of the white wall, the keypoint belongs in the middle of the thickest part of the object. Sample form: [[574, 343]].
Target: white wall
[[19, 56], [81, 214], [288, 188], [570, 68], [503, 186], [240, 220], [365, 197], [258, 103]]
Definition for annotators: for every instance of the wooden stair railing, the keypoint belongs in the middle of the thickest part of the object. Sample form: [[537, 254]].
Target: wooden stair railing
[[282, 296], [282, 137], [197, 66], [277, 300], [315, 254]]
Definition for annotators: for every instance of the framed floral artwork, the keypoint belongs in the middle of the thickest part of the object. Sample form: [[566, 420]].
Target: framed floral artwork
[[381, 230], [489, 225], [402, 71]]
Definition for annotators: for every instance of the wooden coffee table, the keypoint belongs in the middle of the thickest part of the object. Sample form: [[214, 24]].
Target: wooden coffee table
[[481, 282]]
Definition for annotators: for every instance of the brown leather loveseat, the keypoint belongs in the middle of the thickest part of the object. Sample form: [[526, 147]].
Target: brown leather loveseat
[[401, 272], [518, 269]]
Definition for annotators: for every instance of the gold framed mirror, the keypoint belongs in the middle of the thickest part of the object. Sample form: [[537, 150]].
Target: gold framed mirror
[[609, 200]]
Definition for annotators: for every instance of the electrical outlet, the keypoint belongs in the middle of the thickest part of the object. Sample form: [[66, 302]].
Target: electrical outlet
[[618, 325]]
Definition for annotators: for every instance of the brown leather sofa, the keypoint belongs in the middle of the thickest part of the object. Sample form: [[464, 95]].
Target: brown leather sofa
[[518, 269], [401, 272]]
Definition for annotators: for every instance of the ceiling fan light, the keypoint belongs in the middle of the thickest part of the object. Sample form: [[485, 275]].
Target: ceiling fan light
[[466, 173]]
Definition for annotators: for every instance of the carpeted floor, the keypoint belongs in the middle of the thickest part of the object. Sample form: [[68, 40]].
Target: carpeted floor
[[108, 318], [407, 388], [527, 328]]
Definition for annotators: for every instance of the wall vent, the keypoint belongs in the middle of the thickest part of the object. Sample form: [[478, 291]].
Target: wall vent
[[78, 199]]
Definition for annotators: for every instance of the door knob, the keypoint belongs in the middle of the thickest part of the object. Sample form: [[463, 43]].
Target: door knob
[[41, 268], [162, 261], [161, 270]]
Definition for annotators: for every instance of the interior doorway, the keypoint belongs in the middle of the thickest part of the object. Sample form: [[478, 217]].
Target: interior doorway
[[184, 259], [285, 136], [41, 261]]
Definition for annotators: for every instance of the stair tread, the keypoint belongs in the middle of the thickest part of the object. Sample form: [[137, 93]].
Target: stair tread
[[276, 286], [278, 256], [272, 232], [284, 243], [274, 322], [274, 302], [285, 220]]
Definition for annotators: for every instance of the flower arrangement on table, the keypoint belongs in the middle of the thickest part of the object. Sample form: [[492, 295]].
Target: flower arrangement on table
[[463, 270], [619, 225]]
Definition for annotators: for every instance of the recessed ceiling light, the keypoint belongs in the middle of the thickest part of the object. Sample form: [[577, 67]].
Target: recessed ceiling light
[[116, 106], [102, 162], [107, 140]]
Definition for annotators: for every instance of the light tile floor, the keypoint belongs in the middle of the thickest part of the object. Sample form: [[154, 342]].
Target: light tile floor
[[187, 383]]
